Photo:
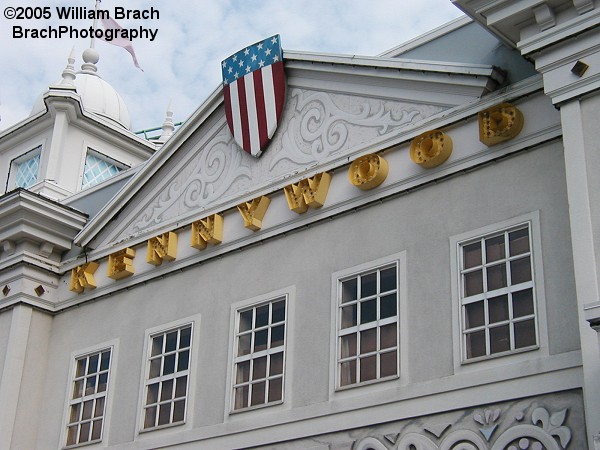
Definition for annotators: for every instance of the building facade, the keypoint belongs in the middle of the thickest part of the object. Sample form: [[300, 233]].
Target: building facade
[[411, 264]]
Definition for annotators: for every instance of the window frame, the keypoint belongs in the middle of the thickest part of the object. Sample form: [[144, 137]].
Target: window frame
[[108, 393], [461, 361], [399, 260], [194, 323], [287, 294]]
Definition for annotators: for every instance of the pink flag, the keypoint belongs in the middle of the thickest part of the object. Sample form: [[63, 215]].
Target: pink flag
[[111, 24]]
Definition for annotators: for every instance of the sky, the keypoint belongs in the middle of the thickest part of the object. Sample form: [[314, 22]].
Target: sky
[[182, 65]]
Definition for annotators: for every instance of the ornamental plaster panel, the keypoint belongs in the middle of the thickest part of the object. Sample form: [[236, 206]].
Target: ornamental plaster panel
[[316, 127]]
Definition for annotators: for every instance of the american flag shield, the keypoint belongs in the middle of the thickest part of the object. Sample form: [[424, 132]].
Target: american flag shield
[[254, 91]]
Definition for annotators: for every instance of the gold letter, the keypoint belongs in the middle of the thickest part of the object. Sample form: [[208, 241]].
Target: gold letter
[[368, 172], [83, 277], [500, 123], [308, 192], [431, 149], [163, 247], [209, 230], [120, 264], [253, 212]]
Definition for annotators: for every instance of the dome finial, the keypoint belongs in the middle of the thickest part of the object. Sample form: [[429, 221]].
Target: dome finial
[[168, 127], [90, 58], [68, 75]]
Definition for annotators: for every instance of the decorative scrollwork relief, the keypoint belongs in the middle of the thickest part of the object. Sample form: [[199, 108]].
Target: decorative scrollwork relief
[[546, 432]]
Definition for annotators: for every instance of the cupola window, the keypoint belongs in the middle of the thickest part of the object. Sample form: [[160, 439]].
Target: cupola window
[[99, 168], [26, 168]]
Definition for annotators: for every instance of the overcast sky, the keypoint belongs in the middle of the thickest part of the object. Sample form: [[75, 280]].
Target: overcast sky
[[182, 64]]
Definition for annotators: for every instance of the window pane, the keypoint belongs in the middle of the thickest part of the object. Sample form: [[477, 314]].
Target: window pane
[[368, 311], [103, 382], [473, 283], [105, 361], [169, 365], [75, 410], [368, 368], [520, 270], [498, 308], [181, 387], [523, 303], [348, 345], [277, 336], [93, 364], [78, 389], [164, 415], [152, 396], [179, 411], [388, 306], [157, 345], [171, 342], [349, 289], [97, 429], [241, 397], [387, 279], [87, 410], [246, 320], [525, 334], [388, 336], [348, 373], [262, 316], [389, 365], [276, 367], [474, 315], [278, 312], [72, 435], [84, 432], [368, 285], [258, 393], [185, 337], [260, 340], [494, 249], [155, 367], [475, 344], [368, 341], [244, 344], [472, 255], [183, 360], [90, 385], [150, 417], [519, 241], [275, 389], [259, 368], [348, 316], [99, 408], [80, 367], [496, 277], [166, 392], [243, 372], [499, 339]]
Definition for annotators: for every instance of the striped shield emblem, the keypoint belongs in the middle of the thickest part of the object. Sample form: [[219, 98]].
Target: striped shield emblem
[[254, 91]]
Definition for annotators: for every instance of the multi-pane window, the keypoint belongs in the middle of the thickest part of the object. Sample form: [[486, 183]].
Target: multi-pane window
[[368, 326], [498, 305], [166, 388], [259, 354], [88, 398], [98, 168], [26, 169]]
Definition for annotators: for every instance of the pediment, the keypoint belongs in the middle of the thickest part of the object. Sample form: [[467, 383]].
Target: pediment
[[330, 115]]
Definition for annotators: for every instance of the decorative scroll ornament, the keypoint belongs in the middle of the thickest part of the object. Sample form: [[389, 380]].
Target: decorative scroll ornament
[[499, 123], [368, 172], [431, 149], [546, 432]]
